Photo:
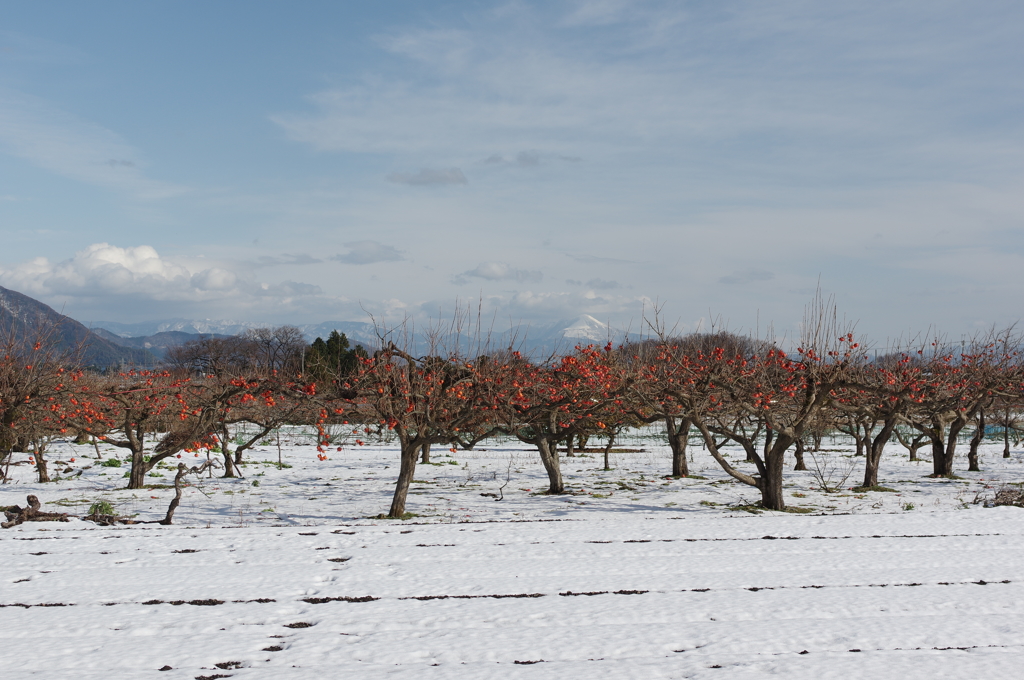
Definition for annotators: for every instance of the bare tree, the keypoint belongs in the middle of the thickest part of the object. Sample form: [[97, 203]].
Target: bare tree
[[277, 349]]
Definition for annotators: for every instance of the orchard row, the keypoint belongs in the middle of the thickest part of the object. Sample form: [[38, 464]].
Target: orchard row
[[718, 388]]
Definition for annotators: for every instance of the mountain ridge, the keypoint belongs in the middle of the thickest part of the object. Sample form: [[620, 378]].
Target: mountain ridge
[[536, 339], [26, 318]]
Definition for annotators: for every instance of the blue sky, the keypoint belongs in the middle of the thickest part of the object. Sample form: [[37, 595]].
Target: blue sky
[[303, 162]]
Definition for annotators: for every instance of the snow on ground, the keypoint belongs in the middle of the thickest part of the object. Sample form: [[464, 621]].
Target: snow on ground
[[630, 576]]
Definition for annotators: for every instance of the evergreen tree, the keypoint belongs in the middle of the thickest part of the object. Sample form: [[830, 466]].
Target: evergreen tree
[[334, 359]]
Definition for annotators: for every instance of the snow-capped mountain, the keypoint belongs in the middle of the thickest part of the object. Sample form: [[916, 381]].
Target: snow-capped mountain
[[356, 331], [533, 339]]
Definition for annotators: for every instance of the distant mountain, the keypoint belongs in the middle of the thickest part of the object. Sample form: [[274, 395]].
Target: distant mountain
[[561, 336], [157, 332], [158, 343], [536, 340], [27, 317]]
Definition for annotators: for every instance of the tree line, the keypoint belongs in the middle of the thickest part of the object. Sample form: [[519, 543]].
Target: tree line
[[715, 388]]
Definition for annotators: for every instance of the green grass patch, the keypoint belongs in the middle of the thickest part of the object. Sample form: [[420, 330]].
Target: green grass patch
[[797, 509], [754, 509], [101, 508], [405, 516], [877, 488], [111, 462], [709, 504]]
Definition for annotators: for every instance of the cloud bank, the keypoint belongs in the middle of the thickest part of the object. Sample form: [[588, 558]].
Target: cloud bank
[[137, 279], [368, 252], [499, 271]]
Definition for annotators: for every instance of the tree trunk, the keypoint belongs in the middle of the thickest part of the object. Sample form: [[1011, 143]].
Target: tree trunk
[[678, 438], [570, 448], [137, 476], [608, 448], [44, 474], [177, 495], [938, 457], [954, 432], [548, 450], [875, 448], [912, 445], [229, 461], [410, 453], [772, 497], [425, 453], [799, 453], [870, 472], [225, 450], [1006, 437], [972, 453]]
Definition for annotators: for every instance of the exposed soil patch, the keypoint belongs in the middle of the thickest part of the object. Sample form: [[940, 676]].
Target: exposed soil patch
[[322, 600]]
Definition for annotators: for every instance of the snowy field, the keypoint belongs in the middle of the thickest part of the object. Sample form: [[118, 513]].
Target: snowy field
[[284, 573]]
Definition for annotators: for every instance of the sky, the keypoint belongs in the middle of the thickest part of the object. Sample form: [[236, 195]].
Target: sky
[[716, 161]]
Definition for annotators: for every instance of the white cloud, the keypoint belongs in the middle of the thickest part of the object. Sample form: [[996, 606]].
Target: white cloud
[[101, 269], [286, 259], [137, 277], [214, 279], [499, 271], [524, 159], [368, 252]]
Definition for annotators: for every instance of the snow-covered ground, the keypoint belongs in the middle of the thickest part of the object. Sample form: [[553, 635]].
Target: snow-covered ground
[[283, 574]]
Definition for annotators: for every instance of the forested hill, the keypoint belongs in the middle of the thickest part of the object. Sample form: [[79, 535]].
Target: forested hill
[[27, 318]]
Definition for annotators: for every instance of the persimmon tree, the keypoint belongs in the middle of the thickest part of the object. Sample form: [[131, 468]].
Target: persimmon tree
[[34, 377], [548, 404], [422, 400], [674, 376], [234, 386], [875, 401], [127, 405], [757, 396], [958, 385]]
